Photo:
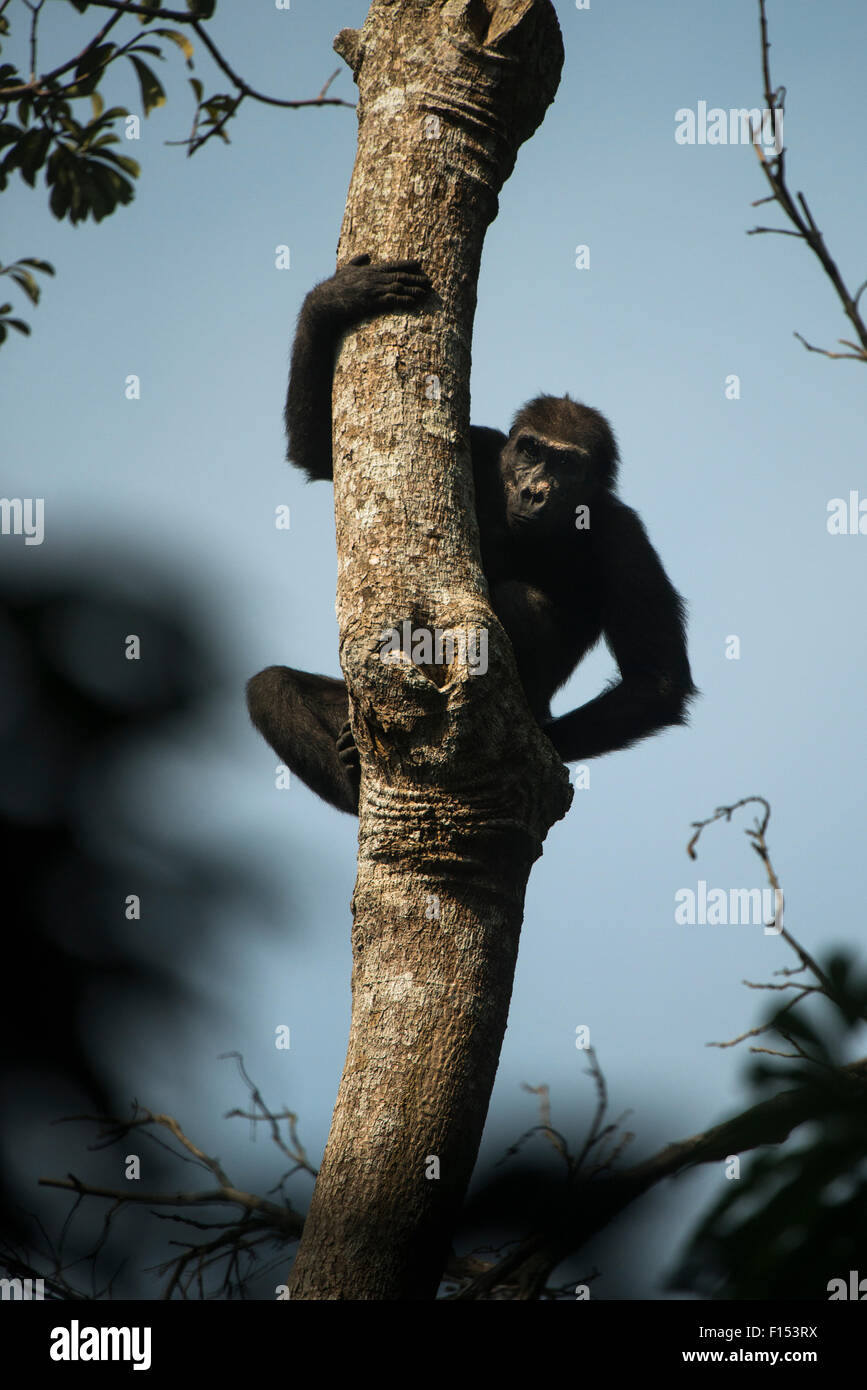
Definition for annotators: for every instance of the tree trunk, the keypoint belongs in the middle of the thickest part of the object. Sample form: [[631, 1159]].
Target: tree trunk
[[459, 787]]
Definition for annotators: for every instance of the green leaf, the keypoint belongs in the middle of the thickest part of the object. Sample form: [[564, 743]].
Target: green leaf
[[91, 66], [106, 189], [32, 151], [13, 323], [99, 191], [152, 94], [57, 176], [26, 282], [96, 104], [198, 89], [123, 161], [9, 161], [45, 266], [180, 39]]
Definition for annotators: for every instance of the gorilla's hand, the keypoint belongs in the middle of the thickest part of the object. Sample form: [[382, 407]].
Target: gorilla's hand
[[358, 290]]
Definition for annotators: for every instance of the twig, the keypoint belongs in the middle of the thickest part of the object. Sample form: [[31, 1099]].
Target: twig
[[774, 171]]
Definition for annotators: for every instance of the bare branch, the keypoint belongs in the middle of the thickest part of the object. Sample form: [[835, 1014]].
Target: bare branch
[[777, 231], [295, 1150], [288, 1221], [858, 354], [257, 1221], [774, 171]]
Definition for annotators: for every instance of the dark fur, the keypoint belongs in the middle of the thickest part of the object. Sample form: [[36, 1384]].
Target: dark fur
[[556, 589]]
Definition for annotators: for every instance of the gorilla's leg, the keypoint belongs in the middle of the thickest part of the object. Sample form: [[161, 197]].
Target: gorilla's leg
[[302, 716]]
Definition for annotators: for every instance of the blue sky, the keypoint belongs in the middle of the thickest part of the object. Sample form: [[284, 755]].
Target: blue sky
[[181, 288]]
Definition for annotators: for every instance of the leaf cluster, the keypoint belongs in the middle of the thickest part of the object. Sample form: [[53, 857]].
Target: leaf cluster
[[39, 130]]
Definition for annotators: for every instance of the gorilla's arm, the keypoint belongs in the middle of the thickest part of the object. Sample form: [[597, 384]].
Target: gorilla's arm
[[643, 620], [308, 399], [357, 291]]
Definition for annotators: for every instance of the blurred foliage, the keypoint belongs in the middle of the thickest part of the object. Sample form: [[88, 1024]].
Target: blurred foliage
[[78, 837], [797, 1216]]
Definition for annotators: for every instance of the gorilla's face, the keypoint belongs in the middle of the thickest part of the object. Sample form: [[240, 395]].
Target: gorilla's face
[[544, 480]]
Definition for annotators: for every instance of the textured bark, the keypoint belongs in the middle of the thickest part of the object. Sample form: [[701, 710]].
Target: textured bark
[[459, 788]]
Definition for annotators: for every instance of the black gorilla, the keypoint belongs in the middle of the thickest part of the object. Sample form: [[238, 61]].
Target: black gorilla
[[566, 561]]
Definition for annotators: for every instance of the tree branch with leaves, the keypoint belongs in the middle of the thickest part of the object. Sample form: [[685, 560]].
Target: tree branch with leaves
[[42, 128]]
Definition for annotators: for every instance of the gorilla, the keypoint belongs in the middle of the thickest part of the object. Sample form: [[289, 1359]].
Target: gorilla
[[566, 561]]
